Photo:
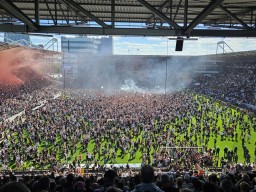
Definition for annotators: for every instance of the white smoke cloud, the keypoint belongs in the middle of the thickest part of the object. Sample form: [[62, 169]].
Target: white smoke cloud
[[131, 86]]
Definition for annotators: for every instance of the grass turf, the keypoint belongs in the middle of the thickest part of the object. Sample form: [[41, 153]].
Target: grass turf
[[123, 160]]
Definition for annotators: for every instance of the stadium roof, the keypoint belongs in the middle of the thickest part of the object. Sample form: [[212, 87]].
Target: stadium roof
[[131, 17]]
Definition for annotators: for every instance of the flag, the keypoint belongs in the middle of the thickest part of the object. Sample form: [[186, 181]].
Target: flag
[[198, 167]]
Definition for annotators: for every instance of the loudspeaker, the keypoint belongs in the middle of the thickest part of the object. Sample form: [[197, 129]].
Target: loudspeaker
[[179, 45]]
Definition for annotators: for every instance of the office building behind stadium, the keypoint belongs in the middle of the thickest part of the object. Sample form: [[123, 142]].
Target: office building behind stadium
[[16, 38], [81, 50]]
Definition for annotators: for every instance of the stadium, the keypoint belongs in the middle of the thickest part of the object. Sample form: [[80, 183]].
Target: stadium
[[138, 95]]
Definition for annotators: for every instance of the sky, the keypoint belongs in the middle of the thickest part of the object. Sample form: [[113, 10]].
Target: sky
[[158, 45]]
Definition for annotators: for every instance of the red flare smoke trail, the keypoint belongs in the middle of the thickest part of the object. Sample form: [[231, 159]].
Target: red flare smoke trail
[[11, 60]]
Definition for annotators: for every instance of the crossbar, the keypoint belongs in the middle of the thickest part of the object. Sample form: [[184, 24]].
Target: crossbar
[[183, 147]]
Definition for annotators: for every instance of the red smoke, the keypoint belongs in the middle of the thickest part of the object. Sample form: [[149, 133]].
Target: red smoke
[[10, 61]]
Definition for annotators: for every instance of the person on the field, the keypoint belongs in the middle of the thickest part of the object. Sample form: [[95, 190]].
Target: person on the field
[[242, 141], [248, 138], [225, 151], [215, 142], [235, 150]]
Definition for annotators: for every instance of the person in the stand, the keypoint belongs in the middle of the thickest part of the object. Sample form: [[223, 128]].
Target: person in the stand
[[187, 184], [108, 179], [209, 187], [168, 183], [44, 183], [15, 186], [226, 186], [147, 179]]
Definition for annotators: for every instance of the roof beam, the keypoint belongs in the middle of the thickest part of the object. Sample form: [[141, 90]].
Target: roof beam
[[131, 20], [50, 12], [159, 14], [135, 5], [186, 13], [113, 13], [177, 10], [228, 18], [251, 17], [255, 22], [5, 14], [16, 12], [56, 15], [162, 6], [63, 13], [37, 13], [84, 11], [210, 7], [119, 12], [170, 7], [69, 8], [235, 17], [226, 26], [129, 31]]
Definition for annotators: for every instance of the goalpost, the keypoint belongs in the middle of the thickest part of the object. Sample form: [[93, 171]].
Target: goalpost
[[181, 148]]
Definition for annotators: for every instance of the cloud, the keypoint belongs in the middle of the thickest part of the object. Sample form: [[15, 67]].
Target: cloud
[[69, 36], [123, 43], [155, 39], [116, 38], [142, 45], [202, 47], [40, 38]]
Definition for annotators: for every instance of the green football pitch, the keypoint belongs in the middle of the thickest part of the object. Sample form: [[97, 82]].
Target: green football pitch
[[123, 160]]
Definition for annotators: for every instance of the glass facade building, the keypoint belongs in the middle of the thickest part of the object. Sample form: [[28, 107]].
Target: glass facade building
[[81, 50], [19, 38]]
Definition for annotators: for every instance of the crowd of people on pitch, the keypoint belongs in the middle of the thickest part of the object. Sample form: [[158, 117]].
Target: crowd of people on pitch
[[145, 180], [26, 92], [238, 87], [131, 126]]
